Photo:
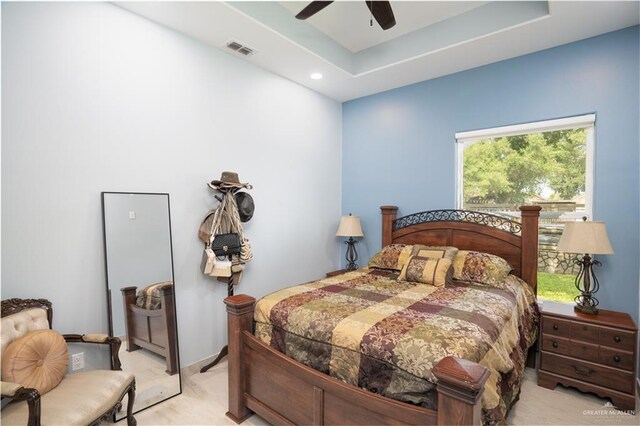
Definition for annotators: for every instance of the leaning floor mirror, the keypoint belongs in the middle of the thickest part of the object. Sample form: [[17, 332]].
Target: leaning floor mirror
[[140, 292]]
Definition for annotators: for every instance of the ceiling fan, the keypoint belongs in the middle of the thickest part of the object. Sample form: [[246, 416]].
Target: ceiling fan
[[381, 11]]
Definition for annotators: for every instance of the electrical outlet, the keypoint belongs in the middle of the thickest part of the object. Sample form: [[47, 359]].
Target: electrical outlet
[[77, 361]]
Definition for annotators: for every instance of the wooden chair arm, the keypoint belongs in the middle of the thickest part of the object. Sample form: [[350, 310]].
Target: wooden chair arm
[[101, 339], [19, 393]]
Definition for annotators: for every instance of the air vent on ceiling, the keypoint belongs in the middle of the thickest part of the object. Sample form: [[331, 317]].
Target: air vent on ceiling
[[240, 48]]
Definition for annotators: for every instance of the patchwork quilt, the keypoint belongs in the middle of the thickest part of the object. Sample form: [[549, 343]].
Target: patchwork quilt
[[372, 331]]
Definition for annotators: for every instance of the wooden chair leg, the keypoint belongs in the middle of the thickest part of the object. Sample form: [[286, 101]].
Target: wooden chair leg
[[131, 421]]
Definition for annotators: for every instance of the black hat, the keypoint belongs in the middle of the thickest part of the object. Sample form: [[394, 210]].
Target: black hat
[[245, 206]]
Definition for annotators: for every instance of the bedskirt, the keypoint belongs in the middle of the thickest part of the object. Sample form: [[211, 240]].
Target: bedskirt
[[372, 331]]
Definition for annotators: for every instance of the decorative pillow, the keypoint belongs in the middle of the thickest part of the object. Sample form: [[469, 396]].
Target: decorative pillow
[[480, 267], [37, 360], [393, 256], [435, 251], [426, 270], [150, 297]]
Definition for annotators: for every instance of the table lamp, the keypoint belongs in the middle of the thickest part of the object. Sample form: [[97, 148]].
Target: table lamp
[[350, 227], [586, 238]]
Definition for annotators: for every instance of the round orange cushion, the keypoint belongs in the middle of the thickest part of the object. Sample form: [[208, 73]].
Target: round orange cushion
[[37, 360]]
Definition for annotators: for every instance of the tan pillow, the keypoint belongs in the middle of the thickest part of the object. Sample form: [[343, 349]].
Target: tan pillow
[[37, 360], [426, 270], [446, 252]]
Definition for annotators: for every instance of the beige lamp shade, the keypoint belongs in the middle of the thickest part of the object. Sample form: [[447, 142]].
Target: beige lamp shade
[[585, 237], [349, 227]]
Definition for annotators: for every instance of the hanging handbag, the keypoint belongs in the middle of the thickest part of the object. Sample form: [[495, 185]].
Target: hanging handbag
[[245, 251], [221, 268], [208, 260], [226, 244]]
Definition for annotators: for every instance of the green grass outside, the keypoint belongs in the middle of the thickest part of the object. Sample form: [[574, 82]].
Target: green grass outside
[[557, 287]]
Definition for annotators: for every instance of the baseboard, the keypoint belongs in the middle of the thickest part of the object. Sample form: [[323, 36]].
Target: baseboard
[[191, 369]]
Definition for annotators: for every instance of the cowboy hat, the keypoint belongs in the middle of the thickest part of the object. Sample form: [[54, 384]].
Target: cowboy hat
[[246, 206], [228, 180]]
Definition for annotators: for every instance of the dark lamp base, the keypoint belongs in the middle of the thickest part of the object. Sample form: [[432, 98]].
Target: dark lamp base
[[586, 310], [587, 284], [351, 255]]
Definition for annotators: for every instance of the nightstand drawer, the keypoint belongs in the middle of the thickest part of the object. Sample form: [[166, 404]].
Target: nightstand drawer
[[616, 358], [588, 372], [584, 332], [618, 339], [584, 350], [555, 344], [557, 327]]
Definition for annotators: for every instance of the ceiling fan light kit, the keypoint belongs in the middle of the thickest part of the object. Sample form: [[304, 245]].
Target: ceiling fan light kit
[[380, 10]]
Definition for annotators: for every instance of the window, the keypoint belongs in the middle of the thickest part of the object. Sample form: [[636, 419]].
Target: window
[[548, 163]]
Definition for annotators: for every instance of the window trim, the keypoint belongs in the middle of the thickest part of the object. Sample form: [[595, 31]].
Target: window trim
[[586, 122]]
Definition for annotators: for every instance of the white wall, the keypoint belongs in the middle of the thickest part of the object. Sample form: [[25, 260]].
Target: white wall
[[97, 99]]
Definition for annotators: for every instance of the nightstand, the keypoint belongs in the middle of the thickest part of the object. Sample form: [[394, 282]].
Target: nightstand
[[593, 353], [334, 273]]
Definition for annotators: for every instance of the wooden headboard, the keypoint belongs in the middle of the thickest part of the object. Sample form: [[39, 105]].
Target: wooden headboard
[[516, 242]]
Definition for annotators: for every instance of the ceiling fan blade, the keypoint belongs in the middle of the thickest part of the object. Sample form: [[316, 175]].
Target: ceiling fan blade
[[381, 10], [312, 8]]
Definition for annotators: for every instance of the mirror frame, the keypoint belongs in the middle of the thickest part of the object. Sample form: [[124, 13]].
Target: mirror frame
[[108, 289]]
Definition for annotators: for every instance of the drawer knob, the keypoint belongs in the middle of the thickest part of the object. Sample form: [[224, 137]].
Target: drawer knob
[[555, 327], [616, 358], [554, 344], [582, 371], [617, 339]]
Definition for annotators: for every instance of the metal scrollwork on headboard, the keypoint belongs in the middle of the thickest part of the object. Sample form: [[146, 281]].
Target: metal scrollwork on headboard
[[479, 218]]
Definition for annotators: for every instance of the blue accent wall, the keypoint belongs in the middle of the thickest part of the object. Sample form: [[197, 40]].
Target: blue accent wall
[[399, 146]]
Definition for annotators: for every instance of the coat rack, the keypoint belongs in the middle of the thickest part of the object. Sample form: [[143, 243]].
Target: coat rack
[[225, 350], [228, 185]]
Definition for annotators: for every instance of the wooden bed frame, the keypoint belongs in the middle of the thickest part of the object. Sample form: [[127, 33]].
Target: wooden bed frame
[[152, 329], [284, 391]]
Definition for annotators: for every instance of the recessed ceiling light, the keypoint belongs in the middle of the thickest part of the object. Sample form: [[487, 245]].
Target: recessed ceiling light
[[316, 76]]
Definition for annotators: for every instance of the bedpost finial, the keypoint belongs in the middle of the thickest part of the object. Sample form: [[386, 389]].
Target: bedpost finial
[[389, 209], [530, 210], [239, 304]]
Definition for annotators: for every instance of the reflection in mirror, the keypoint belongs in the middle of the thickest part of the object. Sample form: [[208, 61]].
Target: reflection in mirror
[[140, 292]]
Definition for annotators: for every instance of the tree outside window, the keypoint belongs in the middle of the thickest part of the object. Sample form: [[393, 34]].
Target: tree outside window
[[545, 168]]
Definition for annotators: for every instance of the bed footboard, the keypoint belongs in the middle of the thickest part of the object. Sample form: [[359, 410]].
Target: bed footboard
[[283, 391], [154, 330]]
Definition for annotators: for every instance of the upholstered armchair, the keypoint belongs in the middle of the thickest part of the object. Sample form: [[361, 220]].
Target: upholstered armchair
[[34, 363]]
